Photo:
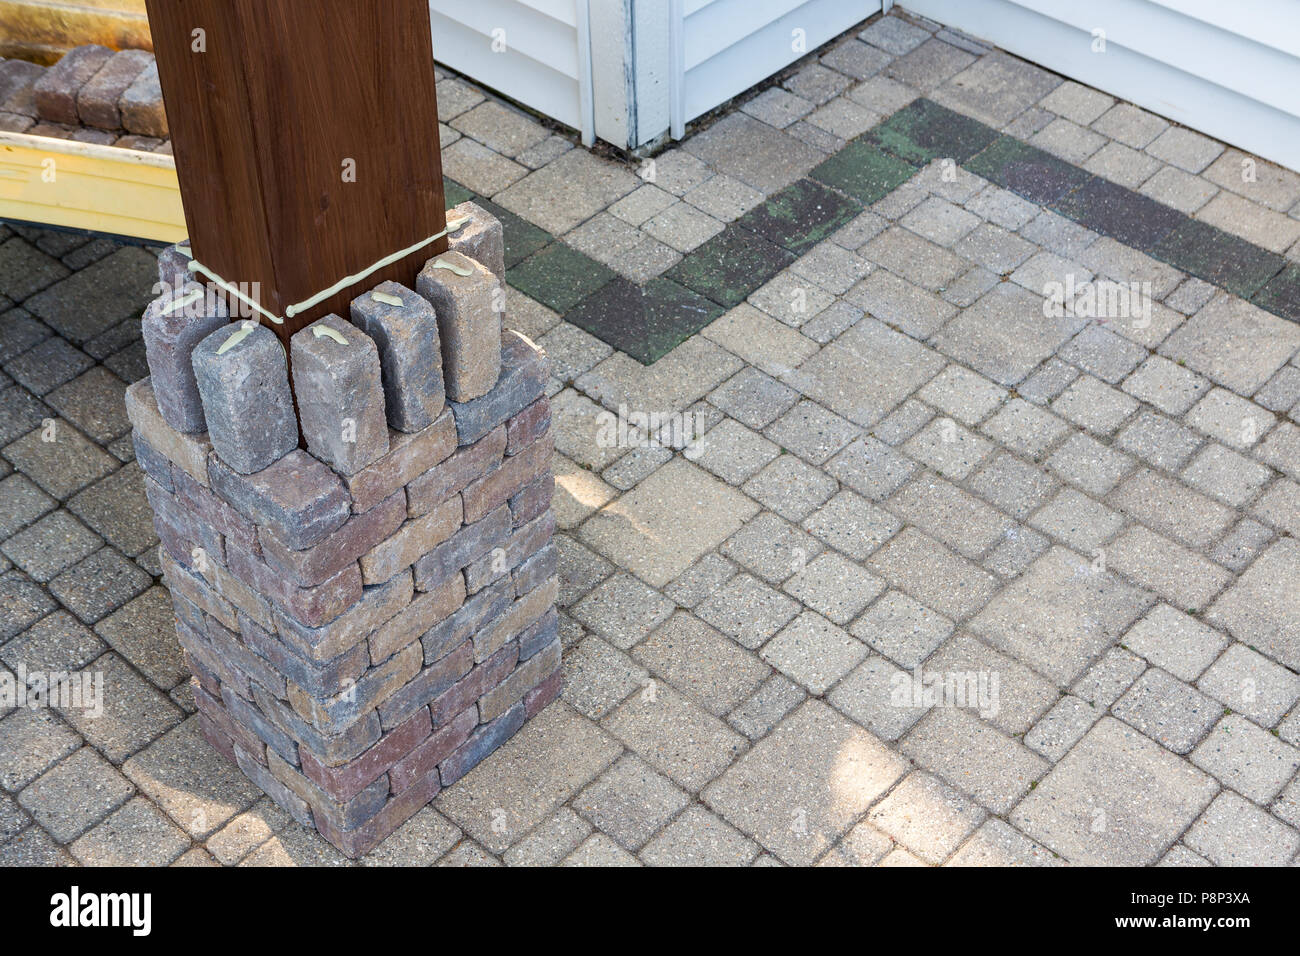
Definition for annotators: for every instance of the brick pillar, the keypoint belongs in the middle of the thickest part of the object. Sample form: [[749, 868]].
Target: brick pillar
[[367, 625]]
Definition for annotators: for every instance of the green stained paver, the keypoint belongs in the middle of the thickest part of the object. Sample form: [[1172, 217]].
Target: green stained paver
[[522, 238], [1281, 294], [864, 171], [1026, 170], [645, 322], [1120, 213], [800, 216], [1219, 257], [924, 131], [730, 266], [558, 276], [453, 193]]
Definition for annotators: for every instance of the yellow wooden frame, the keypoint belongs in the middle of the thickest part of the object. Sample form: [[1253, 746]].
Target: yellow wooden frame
[[122, 192], [43, 30]]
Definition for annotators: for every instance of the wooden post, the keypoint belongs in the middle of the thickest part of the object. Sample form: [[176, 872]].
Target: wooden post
[[306, 143]]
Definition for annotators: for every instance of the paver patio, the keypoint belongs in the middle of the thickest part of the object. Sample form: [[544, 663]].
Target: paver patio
[[944, 576]]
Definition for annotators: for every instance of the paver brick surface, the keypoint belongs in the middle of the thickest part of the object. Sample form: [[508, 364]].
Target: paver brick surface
[[892, 470]]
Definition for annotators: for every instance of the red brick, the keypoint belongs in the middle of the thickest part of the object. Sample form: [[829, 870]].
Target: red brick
[[526, 677], [430, 608], [315, 606], [343, 783], [534, 501], [475, 684], [377, 606], [241, 736], [409, 456], [399, 809], [56, 91], [545, 693], [97, 101], [343, 814], [411, 542], [338, 549], [219, 741], [428, 684], [528, 426], [211, 509], [444, 480], [179, 528], [203, 679], [433, 751], [255, 720], [515, 473]]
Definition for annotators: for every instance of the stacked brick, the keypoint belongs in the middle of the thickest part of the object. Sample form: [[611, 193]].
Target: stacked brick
[[371, 614], [92, 95]]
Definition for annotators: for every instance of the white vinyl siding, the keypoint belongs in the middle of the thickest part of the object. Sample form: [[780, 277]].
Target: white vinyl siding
[[607, 66], [730, 45], [1230, 68], [541, 64]]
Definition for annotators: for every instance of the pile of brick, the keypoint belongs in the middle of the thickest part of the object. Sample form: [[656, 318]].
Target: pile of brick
[[92, 95], [370, 614]]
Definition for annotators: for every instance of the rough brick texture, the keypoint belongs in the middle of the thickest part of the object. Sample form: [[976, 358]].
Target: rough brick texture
[[243, 380], [57, 90], [173, 325], [353, 655], [406, 334], [481, 238], [142, 106], [97, 102], [340, 395], [466, 296]]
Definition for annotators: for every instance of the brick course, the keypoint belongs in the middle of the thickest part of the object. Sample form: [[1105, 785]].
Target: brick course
[[360, 641]]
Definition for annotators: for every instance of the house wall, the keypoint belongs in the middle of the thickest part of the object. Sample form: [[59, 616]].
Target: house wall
[[1229, 68]]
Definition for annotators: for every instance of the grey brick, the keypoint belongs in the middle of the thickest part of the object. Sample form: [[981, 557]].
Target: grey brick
[[97, 102], [523, 378], [56, 91], [410, 352], [246, 397], [464, 294], [173, 325], [298, 498], [337, 384], [142, 105], [481, 239]]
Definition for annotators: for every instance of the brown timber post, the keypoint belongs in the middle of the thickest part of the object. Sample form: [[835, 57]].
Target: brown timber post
[[306, 142]]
